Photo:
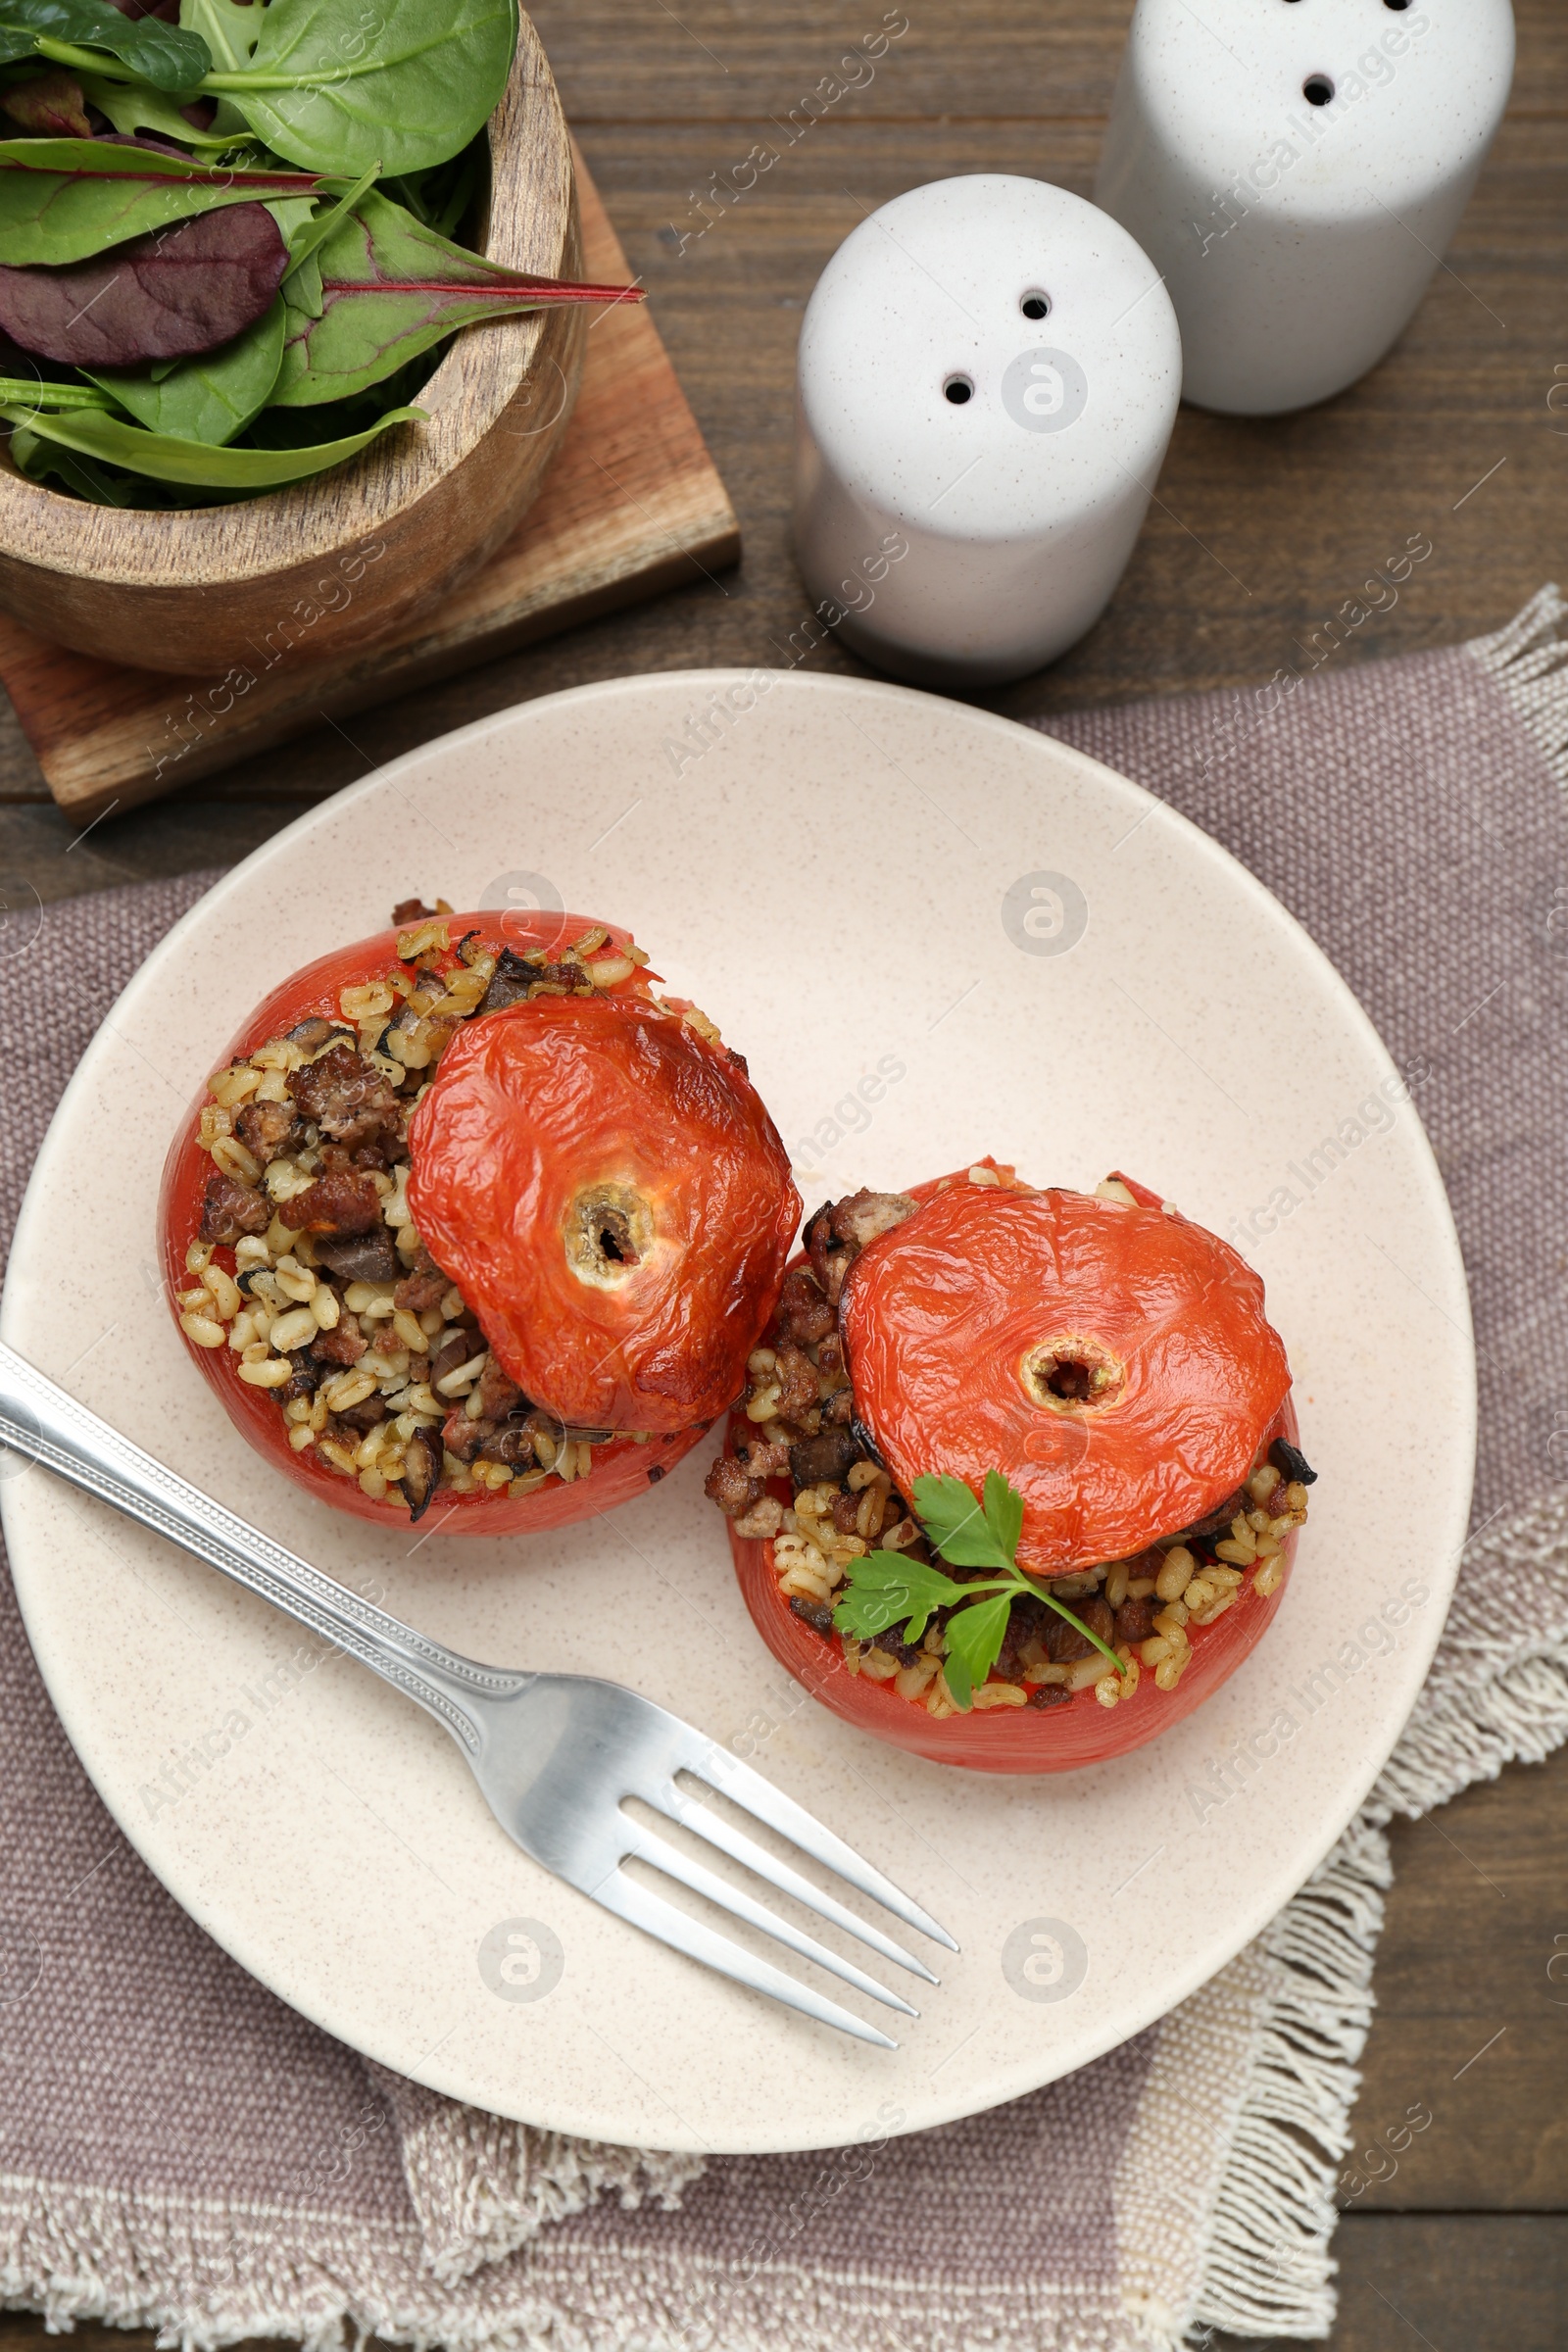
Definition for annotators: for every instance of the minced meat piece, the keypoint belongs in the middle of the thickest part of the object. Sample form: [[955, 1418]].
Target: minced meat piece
[[732, 1487], [266, 1128], [344, 1343], [231, 1208], [804, 1314], [347, 1100], [461, 1437], [797, 1378], [498, 1396], [343, 1200], [424, 1286], [412, 910], [1048, 1695], [764, 1457]]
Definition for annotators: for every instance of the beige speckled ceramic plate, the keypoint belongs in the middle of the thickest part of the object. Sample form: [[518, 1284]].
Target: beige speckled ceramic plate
[[933, 933]]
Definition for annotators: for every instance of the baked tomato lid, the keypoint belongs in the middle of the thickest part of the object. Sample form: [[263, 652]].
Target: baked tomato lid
[[1109, 1356], [606, 1187]]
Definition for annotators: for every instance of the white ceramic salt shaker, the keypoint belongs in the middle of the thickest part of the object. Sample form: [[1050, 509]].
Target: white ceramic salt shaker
[[1296, 169], [989, 370]]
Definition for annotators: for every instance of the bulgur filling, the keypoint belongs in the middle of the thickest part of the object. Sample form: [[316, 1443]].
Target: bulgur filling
[[798, 1420], [308, 1266]]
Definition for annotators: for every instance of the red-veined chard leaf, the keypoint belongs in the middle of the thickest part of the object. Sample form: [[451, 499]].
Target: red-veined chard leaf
[[408, 89], [51, 104], [84, 34], [157, 298], [61, 200], [162, 458], [210, 398], [390, 289]]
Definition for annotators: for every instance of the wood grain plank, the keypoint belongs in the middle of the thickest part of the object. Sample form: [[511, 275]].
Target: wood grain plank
[[631, 507], [1471, 2028]]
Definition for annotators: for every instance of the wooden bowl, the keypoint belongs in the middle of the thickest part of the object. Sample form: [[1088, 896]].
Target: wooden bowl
[[334, 561]]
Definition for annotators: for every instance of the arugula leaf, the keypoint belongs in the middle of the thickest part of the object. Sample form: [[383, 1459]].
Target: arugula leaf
[[956, 1524], [210, 398], [71, 30], [132, 105], [63, 200], [390, 289], [162, 458], [975, 1637], [327, 94], [308, 235], [885, 1589], [231, 29]]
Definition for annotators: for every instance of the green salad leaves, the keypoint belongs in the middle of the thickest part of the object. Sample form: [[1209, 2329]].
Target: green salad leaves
[[886, 1589], [135, 367]]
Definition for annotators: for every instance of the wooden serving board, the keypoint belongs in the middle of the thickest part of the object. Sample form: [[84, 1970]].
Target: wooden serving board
[[634, 504]]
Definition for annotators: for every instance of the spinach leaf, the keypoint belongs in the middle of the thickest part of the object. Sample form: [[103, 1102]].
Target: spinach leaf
[[390, 289], [211, 398], [162, 458], [71, 31], [61, 200], [338, 85]]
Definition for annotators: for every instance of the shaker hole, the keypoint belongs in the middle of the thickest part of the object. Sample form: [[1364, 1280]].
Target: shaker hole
[[958, 389], [1318, 90], [1036, 305], [1397, 5]]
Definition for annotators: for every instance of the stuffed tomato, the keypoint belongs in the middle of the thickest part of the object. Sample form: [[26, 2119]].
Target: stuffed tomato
[[1016, 1481], [472, 1219]]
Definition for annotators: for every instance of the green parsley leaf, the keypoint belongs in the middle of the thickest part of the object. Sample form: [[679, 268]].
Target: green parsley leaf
[[1004, 1509], [885, 1589], [958, 1526], [974, 1636]]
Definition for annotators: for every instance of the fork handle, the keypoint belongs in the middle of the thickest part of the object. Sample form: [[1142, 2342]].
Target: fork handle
[[42, 1424]]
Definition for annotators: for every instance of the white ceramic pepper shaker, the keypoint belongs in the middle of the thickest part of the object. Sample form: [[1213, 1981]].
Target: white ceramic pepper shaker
[[1296, 169], [989, 370]]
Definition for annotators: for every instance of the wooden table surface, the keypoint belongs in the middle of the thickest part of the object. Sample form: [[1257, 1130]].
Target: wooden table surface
[[1260, 531]]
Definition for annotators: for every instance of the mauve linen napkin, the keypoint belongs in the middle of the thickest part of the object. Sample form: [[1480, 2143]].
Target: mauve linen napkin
[[180, 2150]]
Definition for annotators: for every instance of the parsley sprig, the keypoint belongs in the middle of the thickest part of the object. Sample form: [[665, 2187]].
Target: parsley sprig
[[884, 1588]]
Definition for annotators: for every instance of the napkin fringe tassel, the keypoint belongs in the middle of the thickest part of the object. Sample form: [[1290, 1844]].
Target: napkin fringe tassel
[[1268, 2270], [1530, 663]]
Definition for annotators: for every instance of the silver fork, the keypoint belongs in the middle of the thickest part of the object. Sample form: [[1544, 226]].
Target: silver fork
[[556, 1755]]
